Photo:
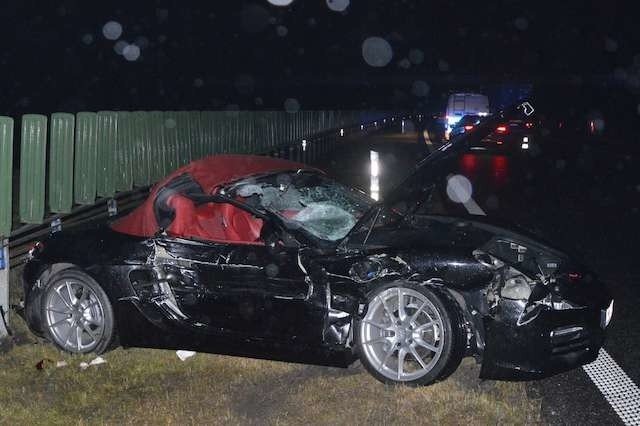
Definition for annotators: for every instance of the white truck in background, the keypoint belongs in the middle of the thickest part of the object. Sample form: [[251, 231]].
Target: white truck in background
[[461, 104]]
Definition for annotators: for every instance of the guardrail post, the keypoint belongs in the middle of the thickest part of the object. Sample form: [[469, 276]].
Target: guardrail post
[[6, 174], [33, 157], [4, 287], [85, 158]]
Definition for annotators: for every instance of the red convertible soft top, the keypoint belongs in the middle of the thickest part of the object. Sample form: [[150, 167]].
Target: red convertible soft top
[[210, 173]]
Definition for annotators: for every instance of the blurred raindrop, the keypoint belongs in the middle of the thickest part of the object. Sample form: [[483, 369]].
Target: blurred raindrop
[[416, 56], [254, 18], [87, 39], [443, 65], [280, 2], [598, 125], [120, 46], [198, 82], [404, 63], [377, 51], [142, 42], [282, 31], [459, 189], [610, 45], [420, 89], [131, 52], [170, 123], [291, 105], [112, 30], [338, 5], [521, 23], [258, 101]]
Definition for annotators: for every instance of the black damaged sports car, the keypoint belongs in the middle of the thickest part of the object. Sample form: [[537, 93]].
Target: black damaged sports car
[[262, 257]]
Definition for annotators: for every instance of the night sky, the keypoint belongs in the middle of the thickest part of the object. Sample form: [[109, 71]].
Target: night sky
[[57, 55]]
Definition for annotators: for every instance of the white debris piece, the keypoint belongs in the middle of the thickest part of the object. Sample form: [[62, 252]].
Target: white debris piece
[[184, 355], [97, 361], [61, 364]]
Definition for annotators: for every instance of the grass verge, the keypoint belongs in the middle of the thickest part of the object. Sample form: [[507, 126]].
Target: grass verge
[[142, 386]]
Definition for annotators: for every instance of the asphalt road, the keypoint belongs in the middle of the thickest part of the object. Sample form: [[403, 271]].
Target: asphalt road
[[582, 194]]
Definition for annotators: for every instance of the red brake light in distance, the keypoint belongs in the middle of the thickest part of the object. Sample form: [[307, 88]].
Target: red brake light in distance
[[528, 125], [501, 129], [574, 276], [468, 127]]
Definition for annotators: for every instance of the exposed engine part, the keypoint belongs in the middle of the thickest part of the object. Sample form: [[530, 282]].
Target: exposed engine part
[[376, 267], [339, 323], [516, 285], [167, 300]]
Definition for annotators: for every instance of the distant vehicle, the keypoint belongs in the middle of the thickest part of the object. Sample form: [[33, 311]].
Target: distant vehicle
[[512, 135], [466, 124], [461, 104]]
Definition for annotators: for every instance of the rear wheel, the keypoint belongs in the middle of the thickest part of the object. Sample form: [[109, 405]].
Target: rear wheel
[[77, 315], [409, 335]]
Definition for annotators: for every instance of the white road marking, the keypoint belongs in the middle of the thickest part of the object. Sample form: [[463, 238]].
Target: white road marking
[[615, 385], [617, 388]]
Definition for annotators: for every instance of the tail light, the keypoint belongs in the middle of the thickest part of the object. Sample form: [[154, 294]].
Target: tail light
[[502, 129], [574, 276], [466, 128], [528, 125]]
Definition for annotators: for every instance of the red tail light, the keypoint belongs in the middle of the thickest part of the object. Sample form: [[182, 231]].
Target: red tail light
[[528, 125], [502, 129], [574, 276], [468, 127]]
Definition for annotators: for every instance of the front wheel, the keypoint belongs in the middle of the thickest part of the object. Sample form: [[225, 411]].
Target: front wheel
[[409, 335], [77, 315]]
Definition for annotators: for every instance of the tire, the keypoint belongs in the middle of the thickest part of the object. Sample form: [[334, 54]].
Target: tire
[[427, 335], [76, 314]]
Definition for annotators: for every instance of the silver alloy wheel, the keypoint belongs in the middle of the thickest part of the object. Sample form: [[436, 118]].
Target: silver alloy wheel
[[402, 334], [74, 316]]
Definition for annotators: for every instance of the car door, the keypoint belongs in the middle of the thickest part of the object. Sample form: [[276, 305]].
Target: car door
[[261, 293], [245, 289]]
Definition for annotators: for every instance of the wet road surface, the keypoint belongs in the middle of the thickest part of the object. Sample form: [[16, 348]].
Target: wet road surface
[[582, 196]]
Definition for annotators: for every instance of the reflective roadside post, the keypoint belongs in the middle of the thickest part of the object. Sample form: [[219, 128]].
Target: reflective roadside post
[[4, 287], [6, 209]]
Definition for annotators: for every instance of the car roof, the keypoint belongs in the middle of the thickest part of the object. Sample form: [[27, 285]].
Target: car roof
[[208, 173]]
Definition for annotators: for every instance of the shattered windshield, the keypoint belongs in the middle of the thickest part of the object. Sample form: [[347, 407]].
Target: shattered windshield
[[320, 207]]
